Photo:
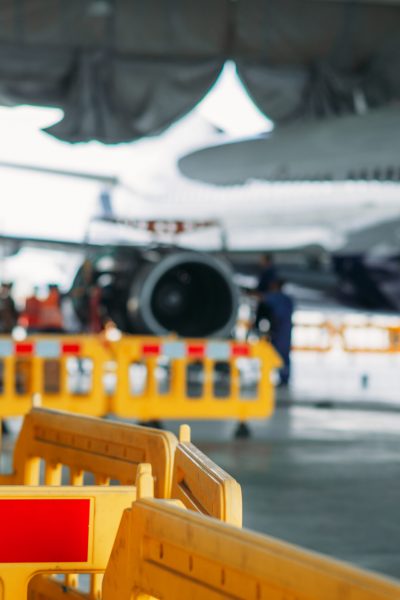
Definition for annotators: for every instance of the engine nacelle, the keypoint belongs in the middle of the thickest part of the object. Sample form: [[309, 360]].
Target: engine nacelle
[[187, 293], [183, 292]]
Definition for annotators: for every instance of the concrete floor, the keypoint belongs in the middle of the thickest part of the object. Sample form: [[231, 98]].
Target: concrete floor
[[326, 479]]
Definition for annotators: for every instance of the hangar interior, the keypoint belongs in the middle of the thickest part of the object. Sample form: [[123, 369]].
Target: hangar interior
[[200, 223]]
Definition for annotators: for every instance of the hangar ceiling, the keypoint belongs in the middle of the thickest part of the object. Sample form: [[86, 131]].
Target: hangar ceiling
[[123, 69]]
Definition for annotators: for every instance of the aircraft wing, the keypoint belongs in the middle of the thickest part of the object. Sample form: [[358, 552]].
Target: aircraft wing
[[11, 244], [350, 148]]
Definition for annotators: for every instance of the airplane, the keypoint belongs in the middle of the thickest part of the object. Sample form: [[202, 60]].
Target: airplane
[[345, 148], [178, 269], [149, 283], [115, 74], [340, 154], [308, 225]]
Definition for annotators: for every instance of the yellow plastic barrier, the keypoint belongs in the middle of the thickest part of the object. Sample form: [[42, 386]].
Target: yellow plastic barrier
[[63, 372], [56, 530], [369, 337], [112, 453], [149, 378], [163, 551], [203, 486], [109, 451], [204, 479], [308, 337], [47, 588], [193, 370]]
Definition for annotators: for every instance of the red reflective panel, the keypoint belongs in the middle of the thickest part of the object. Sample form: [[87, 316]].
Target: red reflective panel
[[37, 531], [71, 348], [151, 349], [24, 348], [196, 350], [240, 350]]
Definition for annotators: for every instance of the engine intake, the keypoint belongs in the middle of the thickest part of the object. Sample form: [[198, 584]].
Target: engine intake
[[186, 293]]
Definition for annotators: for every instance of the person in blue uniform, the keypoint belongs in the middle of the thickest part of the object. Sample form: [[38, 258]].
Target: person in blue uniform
[[279, 308], [268, 276]]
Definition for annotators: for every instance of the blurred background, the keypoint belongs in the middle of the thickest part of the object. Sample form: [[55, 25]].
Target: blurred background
[[224, 170]]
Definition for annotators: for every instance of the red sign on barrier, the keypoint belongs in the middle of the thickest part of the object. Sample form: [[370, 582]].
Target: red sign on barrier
[[196, 350], [37, 531], [151, 349], [240, 350], [24, 348], [71, 348]]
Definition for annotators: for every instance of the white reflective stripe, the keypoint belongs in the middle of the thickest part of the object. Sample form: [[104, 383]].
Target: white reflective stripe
[[173, 349], [218, 351], [6, 348], [48, 349]]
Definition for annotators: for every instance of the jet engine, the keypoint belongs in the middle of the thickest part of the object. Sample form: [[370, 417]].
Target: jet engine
[[162, 291]]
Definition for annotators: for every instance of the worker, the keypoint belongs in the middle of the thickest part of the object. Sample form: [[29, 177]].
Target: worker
[[279, 308], [267, 274], [50, 315], [95, 323], [29, 318], [84, 301], [267, 277], [8, 311]]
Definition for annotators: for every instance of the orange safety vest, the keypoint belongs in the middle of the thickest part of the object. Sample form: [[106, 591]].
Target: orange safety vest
[[50, 316], [30, 316]]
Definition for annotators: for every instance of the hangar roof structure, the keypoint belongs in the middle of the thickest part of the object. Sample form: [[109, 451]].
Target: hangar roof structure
[[124, 69]]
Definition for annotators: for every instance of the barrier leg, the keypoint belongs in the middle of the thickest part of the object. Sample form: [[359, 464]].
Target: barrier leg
[[14, 587], [53, 474], [96, 581], [242, 431], [71, 580]]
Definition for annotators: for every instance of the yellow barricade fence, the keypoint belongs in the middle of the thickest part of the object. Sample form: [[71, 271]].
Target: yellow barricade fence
[[204, 379], [352, 338], [203, 486], [309, 337], [96, 447], [56, 530], [106, 451], [163, 551], [110, 453], [47, 588], [137, 377], [370, 339], [51, 368], [160, 549]]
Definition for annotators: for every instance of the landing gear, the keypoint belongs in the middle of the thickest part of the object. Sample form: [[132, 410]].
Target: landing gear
[[242, 431]]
